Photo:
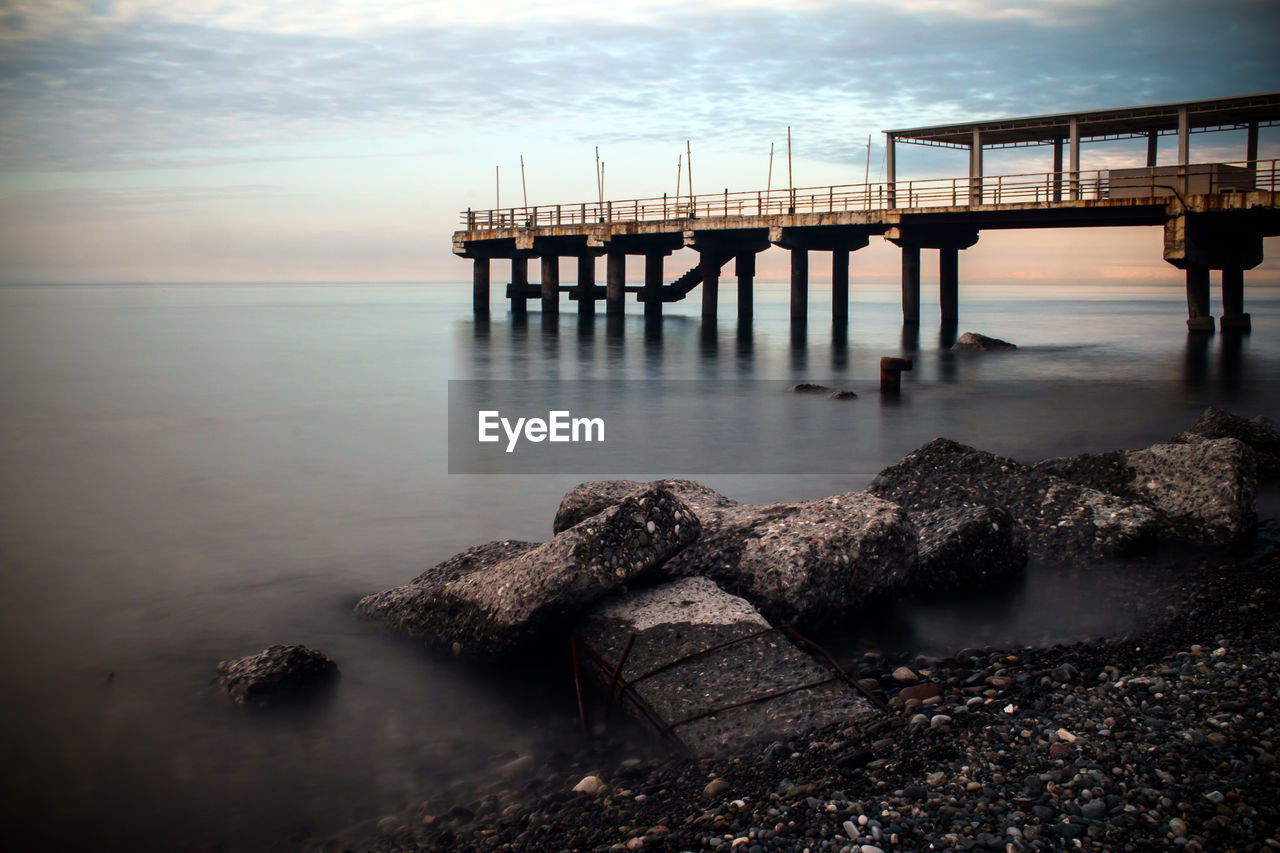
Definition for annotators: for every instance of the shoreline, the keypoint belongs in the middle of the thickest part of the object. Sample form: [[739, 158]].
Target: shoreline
[[1159, 740]]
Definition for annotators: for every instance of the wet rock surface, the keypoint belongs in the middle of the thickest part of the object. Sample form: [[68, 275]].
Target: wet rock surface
[[1203, 490], [973, 342], [964, 549], [700, 659], [586, 499], [1260, 433], [1063, 519], [280, 673], [488, 602], [807, 561], [1163, 740]]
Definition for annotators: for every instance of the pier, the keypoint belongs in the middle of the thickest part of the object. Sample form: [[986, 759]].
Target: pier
[[1215, 216]]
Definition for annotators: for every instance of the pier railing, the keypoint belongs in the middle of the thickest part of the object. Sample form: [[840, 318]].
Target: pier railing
[[1030, 188]]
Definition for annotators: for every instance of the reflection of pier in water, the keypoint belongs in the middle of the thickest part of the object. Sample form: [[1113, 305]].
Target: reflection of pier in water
[[1214, 216]]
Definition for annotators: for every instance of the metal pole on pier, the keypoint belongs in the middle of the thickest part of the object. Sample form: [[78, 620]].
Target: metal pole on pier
[[791, 185], [679, 175], [689, 157], [523, 186], [497, 190]]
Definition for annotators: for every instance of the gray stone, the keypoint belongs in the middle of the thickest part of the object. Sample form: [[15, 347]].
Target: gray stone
[[275, 674], [973, 342], [1261, 435], [487, 601], [680, 621], [1203, 490], [967, 548], [809, 561], [587, 499], [1063, 520]]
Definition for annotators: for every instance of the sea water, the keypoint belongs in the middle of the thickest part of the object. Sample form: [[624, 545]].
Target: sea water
[[190, 473]]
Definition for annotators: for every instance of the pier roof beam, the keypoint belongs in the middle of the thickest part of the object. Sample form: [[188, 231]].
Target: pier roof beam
[[890, 167]]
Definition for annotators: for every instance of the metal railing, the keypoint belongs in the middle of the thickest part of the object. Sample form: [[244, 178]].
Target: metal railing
[[1030, 188]]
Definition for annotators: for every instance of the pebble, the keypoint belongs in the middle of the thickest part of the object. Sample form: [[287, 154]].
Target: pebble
[[715, 788], [904, 674], [592, 786]]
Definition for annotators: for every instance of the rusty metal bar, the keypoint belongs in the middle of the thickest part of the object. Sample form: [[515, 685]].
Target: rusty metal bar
[[874, 700], [700, 652], [617, 675], [577, 685], [639, 701]]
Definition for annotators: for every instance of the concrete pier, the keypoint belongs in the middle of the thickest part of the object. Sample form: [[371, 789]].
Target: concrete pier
[[615, 294], [652, 294], [586, 284], [519, 284], [1198, 317], [480, 287], [910, 284], [745, 267], [949, 285], [840, 286], [710, 262], [1234, 318], [550, 284], [799, 285]]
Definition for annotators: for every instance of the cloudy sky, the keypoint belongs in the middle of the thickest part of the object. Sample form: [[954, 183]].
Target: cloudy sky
[[298, 140]]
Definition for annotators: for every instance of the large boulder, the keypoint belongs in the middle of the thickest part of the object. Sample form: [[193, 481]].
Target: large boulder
[[586, 499], [974, 342], [808, 562], [1063, 519], [276, 674], [1204, 490], [489, 601], [966, 549], [699, 656], [1261, 434]]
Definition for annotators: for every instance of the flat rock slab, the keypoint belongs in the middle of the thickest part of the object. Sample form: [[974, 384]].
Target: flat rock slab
[[275, 674], [796, 562], [1063, 519], [676, 621], [1203, 490], [488, 601], [1260, 434], [965, 549]]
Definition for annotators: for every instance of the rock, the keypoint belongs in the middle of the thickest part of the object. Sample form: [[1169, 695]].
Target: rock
[[973, 342], [920, 692], [592, 786], [904, 674], [809, 388], [1063, 520], [842, 395], [488, 601], [1261, 435], [1203, 490], [715, 788], [807, 561], [966, 548], [681, 621], [278, 673], [588, 499]]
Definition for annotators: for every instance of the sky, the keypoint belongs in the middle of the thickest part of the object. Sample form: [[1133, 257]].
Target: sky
[[298, 140]]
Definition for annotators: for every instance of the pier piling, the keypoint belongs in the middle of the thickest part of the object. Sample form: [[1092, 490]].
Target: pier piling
[[615, 294], [586, 284], [1198, 317], [911, 285], [480, 287], [746, 270], [840, 286], [519, 284], [799, 285], [550, 284]]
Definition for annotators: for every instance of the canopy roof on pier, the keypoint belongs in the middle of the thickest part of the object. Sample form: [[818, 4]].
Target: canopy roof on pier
[[1239, 111]]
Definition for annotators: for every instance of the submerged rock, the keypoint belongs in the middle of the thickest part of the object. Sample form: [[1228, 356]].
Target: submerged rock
[[275, 674], [1261, 435], [973, 342], [488, 601], [694, 622], [965, 549], [810, 388], [806, 561], [1203, 490], [1062, 518]]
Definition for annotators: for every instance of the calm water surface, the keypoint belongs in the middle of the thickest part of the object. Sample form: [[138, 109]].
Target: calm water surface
[[191, 473]]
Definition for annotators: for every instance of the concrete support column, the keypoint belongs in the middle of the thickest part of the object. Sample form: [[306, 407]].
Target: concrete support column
[[1057, 170], [746, 269], [1184, 147], [1074, 178], [709, 262], [840, 287], [890, 169], [615, 289], [519, 281], [1233, 317], [949, 285], [799, 284], [1152, 137], [653, 285], [975, 168], [480, 287], [550, 284], [587, 284], [1251, 146], [910, 285], [1198, 317]]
